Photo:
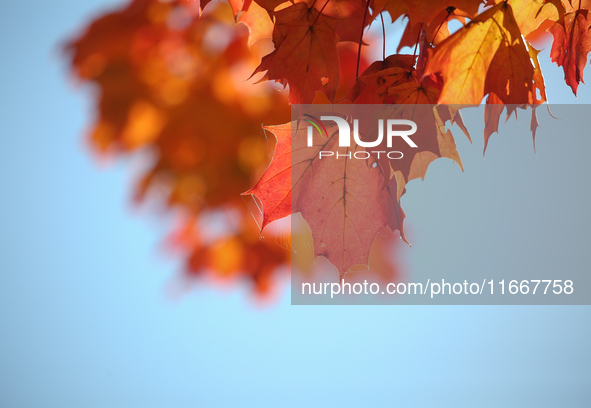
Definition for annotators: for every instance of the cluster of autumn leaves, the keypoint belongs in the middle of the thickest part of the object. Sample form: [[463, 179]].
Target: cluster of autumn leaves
[[171, 85]]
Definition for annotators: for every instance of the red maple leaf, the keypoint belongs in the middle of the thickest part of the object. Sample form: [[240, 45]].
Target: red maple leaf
[[343, 200]]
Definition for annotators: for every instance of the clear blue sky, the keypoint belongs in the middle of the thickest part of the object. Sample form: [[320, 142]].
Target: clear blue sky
[[84, 320]]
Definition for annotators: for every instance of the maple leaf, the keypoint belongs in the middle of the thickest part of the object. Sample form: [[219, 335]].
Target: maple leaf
[[572, 43], [487, 55], [343, 201], [305, 53]]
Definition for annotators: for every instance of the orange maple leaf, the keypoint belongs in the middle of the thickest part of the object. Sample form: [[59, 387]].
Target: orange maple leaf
[[305, 53], [487, 55]]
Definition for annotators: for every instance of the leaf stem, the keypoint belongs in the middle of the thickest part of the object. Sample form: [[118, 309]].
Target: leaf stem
[[449, 11], [383, 37], [414, 53], [320, 12], [361, 39]]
